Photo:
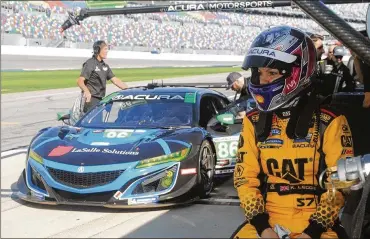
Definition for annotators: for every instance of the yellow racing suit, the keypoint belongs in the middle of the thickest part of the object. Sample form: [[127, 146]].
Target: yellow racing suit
[[291, 199]]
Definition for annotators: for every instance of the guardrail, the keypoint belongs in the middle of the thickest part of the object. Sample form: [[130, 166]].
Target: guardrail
[[84, 53]]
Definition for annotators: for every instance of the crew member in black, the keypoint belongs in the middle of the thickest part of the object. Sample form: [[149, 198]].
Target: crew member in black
[[238, 83], [94, 75], [333, 74], [344, 81]]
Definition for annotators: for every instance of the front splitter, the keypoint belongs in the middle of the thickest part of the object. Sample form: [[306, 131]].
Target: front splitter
[[116, 204]]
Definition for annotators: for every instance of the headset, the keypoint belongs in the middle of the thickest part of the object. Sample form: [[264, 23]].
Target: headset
[[96, 47]]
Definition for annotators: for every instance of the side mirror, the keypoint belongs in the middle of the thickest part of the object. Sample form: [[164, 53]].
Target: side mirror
[[65, 117], [226, 118], [368, 21]]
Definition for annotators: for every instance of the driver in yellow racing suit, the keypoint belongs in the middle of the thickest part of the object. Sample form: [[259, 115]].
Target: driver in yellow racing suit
[[288, 140]]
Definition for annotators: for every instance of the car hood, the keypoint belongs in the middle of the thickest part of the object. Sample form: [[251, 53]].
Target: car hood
[[109, 146]]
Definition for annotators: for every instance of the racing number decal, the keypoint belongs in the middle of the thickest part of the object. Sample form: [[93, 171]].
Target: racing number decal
[[117, 133], [301, 202], [126, 104], [130, 103], [227, 149]]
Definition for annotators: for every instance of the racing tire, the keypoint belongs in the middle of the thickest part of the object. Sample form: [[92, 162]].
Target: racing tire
[[206, 169]]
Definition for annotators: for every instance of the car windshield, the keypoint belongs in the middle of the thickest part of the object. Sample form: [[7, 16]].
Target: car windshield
[[139, 114]]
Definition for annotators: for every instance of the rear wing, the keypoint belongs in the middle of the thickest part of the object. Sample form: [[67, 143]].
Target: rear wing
[[208, 85], [196, 85]]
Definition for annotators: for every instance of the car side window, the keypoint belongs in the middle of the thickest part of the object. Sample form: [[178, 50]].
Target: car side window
[[207, 110], [220, 103], [225, 102]]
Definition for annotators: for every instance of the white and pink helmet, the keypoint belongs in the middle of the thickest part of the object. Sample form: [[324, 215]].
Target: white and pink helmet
[[289, 50]]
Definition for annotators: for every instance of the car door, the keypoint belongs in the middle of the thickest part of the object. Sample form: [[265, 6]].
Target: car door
[[206, 110], [225, 138]]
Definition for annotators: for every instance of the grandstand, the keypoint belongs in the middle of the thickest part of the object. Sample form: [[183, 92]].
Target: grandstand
[[38, 22]]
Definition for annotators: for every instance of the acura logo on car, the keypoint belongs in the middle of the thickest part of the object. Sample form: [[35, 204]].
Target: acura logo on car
[[81, 169]]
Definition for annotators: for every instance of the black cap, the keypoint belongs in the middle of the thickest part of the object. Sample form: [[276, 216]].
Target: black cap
[[231, 78]]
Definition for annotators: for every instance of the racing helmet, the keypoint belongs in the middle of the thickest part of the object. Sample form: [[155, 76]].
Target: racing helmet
[[289, 50]]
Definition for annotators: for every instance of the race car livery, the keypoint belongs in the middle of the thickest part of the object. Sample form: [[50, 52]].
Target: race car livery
[[138, 147]]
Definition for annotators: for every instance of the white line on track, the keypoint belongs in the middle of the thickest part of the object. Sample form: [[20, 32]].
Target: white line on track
[[222, 200], [14, 151]]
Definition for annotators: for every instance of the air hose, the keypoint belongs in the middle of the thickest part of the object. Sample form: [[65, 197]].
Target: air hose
[[353, 173], [337, 27], [358, 216]]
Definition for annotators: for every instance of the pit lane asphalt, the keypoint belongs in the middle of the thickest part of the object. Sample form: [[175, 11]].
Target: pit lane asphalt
[[23, 114], [210, 218]]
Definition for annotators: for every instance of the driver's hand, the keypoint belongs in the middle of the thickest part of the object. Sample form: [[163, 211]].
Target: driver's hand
[[269, 233], [305, 236], [87, 96], [240, 115]]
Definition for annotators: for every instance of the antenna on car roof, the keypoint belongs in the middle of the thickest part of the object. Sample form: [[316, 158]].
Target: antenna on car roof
[[152, 85]]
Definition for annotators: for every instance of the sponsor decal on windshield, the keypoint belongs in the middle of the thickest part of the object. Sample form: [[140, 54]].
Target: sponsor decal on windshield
[[131, 103], [190, 98], [148, 97]]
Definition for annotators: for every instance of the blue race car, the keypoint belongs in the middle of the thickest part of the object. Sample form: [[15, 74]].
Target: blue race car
[[140, 147]]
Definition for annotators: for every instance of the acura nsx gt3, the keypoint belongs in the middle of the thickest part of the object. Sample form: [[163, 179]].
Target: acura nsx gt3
[[138, 147]]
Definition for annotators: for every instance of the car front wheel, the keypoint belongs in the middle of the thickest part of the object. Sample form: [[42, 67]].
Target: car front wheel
[[206, 169]]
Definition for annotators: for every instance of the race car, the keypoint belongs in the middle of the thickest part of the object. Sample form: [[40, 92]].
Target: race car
[[145, 146]]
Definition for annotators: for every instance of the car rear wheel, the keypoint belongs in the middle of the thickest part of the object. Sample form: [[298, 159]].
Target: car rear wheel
[[206, 169]]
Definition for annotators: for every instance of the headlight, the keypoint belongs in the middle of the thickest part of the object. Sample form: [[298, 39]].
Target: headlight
[[174, 157], [157, 183], [36, 157]]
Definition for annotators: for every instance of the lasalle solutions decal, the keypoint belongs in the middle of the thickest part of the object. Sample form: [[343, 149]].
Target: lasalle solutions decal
[[104, 151], [62, 150]]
